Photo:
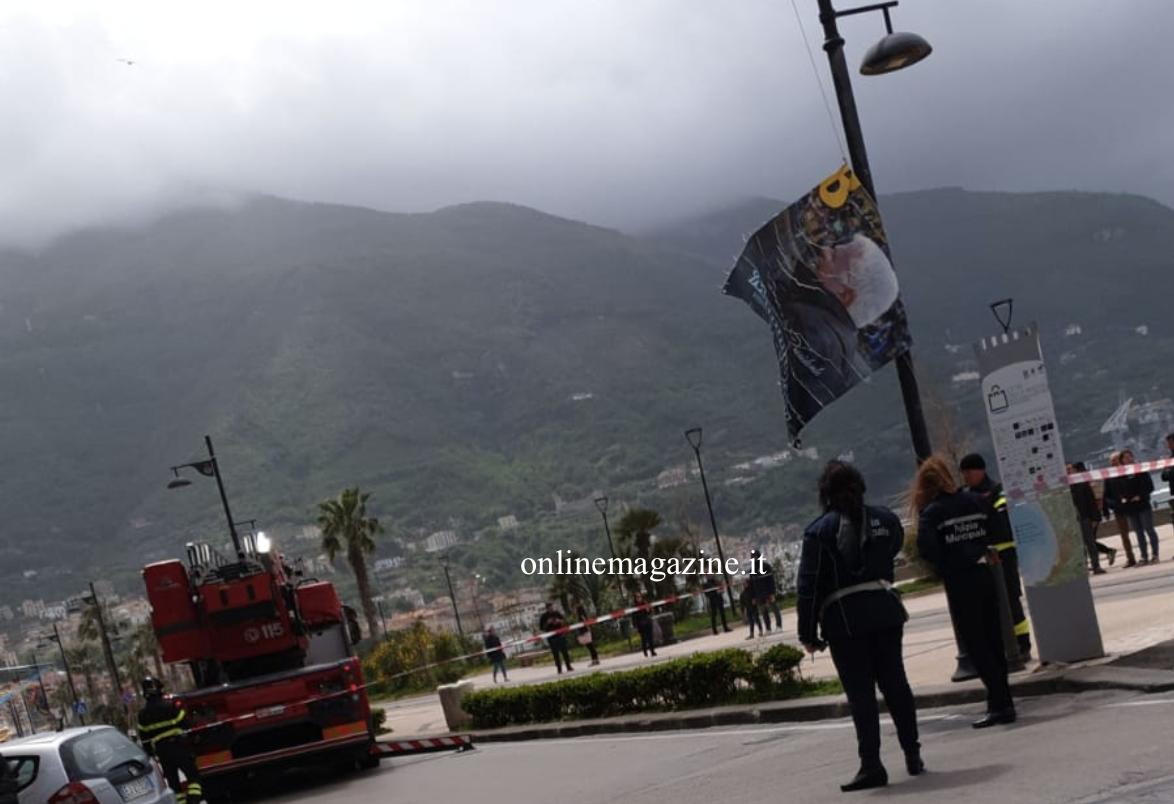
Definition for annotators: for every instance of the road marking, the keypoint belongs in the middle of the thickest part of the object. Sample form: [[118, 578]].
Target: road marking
[[1145, 702]]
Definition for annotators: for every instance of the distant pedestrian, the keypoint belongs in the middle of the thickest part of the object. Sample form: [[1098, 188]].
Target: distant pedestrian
[[762, 576], [1111, 497], [642, 622], [495, 653], [1088, 514], [974, 475], [953, 533], [715, 599], [1168, 473], [585, 637], [847, 599], [551, 620], [1135, 495], [750, 608]]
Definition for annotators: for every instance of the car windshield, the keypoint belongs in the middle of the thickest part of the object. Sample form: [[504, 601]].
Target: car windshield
[[106, 753]]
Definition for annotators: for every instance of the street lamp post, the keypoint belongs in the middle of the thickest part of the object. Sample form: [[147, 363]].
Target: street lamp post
[[693, 436], [894, 51], [68, 675], [452, 596], [601, 504], [41, 683], [478, 579], [210, 468]]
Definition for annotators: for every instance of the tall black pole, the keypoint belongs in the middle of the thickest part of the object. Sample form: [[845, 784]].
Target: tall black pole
[[834, 45], [236, 541], [68, 674], [694, 438], [601, 504], [41, 684], [107, 651], [452, 596]]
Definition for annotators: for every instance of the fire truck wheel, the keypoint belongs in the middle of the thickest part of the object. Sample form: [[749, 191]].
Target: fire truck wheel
[[367, 761]]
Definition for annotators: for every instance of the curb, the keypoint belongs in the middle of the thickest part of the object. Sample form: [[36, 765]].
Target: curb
[[830, 707]]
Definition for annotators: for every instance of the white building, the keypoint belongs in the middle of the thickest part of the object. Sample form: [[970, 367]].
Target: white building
[[441, 540]]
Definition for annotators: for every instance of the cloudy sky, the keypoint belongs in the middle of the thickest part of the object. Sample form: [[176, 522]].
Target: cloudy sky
[[619, 112]]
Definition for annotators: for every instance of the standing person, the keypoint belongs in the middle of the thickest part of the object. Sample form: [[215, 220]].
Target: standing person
[[973, 468], [716, 603], [1111, 506], [953, 534], [551, 620], [1168, 474], [163, 734], [1088, 514], [750, 608], [585, 637], [846, 594], [496, 654], [642, 622], [1135, 495], [762, 575]]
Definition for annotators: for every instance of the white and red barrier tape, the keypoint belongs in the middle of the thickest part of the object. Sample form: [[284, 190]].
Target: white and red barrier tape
[[424, 744], [1120, 471]]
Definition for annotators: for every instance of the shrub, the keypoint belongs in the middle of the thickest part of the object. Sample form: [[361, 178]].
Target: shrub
[[706, 679]]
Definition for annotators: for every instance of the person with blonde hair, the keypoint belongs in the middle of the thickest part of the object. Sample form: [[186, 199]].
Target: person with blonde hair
[[1111, 493], [953, 535]]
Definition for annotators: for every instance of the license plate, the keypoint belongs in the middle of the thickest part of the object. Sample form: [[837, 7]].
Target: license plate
[[271, 711], [136, 789]]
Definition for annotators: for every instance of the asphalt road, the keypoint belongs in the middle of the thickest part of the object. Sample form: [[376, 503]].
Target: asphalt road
[[1094, 747]]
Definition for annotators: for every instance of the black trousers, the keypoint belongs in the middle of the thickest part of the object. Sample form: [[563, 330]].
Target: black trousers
[[975, 609], [865, 663], [176, 755], [558, 647], [1009, 562], [717, 607], [645, 632]]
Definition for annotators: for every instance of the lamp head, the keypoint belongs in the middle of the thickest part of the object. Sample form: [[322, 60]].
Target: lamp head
[[894, 52]]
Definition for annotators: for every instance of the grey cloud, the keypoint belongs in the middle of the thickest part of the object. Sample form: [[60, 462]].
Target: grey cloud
[[613, 111]]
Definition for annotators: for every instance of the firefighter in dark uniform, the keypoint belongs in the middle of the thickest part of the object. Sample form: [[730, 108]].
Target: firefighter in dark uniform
[[953, 534], [845, 590], [163, 733], [974, 475]]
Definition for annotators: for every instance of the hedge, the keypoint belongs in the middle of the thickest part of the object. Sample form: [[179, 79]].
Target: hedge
[[706, 679]]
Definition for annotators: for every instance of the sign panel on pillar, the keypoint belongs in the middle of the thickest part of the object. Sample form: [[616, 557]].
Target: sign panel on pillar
[[1026, 437]]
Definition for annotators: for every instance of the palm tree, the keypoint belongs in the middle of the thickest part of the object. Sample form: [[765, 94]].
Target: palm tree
[[346, 528], [636, 527]]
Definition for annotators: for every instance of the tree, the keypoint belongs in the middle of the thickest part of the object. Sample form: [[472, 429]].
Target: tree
[[636, 527], [346, 528]]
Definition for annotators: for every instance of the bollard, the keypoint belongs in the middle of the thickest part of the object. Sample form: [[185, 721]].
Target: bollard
[[1015, 662], [450, 702]]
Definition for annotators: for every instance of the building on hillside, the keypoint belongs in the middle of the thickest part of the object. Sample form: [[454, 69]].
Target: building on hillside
[[672, 477], [54, 612], [32, 608], [441, 540], [6, 613], [309, 533], [507, 523], [386, 565]]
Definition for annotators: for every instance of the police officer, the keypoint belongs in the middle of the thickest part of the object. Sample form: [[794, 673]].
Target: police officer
[[845, 590], [762, 579], [974, 475], [717, 604], [163, 733], [953, 534]]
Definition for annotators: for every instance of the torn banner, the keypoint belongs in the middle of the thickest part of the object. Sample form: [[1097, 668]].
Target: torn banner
[[819, 274]]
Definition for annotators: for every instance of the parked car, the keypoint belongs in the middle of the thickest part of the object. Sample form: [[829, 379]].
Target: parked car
[[85, 765]]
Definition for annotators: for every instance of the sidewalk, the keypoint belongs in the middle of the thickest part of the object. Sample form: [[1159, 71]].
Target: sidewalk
[[1137, 631]]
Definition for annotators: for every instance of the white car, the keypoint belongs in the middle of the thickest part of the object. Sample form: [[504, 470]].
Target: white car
[[85, 765]]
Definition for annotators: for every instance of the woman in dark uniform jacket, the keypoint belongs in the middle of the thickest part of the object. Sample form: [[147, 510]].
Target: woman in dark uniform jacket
[[845, 591], [953, 535]]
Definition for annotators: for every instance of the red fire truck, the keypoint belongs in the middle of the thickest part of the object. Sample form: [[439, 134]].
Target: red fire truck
[[271, 655]]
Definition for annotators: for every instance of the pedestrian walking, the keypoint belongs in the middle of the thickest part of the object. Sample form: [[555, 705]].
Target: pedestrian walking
[[642, 622], [1135, 494], [585, 637], [1088, 514], [974, 475], [953, 532], [762, 577], [847, 600], [1111, 495], [750, 608], [495, 653], [1168, 473], [551, 620], [163, 733], [716, 602]]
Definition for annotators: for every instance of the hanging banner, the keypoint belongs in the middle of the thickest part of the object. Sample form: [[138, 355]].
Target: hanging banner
[[1026, 438], [820, 275]]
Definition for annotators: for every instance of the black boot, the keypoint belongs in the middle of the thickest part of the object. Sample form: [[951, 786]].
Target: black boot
[[913, 763], [995, 718], [867, 778]]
